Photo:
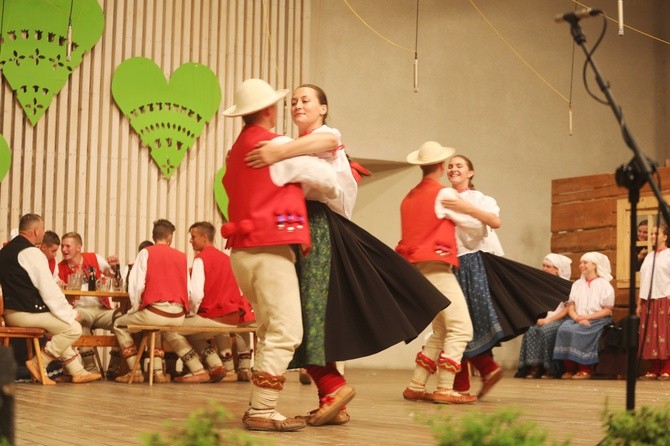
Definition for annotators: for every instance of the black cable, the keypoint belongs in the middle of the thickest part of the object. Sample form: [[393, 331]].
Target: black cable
[[586, 63]]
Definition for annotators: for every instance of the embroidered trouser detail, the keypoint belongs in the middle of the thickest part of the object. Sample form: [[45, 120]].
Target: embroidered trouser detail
[[448, 364], [68, 360], [263, 379], [425, 362], [208, 351], [189, 355], [129, 351]]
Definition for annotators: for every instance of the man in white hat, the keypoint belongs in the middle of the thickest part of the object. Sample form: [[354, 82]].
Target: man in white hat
[[429, 242], [267, 217]]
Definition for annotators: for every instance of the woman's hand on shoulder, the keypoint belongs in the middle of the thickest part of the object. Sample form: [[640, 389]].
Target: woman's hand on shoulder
[[457, 204], [265, 154]]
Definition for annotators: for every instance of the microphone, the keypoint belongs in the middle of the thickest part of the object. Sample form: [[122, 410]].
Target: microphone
[[575, 16]]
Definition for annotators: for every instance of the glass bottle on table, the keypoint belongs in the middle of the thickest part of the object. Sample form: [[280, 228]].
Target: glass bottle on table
[[91, 279], [118, 281]]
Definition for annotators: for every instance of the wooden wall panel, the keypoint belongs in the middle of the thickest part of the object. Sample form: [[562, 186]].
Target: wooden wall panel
[[583, 214], [84, 169], [584, 218]]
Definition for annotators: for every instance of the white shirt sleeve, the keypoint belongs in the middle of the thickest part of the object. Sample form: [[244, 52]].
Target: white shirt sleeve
[[35, 263], [55, 274], [469, 229], [137, 279], [196, 286], [309, 171], [103, 265]]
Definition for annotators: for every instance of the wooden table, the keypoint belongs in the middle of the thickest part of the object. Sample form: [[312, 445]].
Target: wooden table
[[100, 340], [117, 296]]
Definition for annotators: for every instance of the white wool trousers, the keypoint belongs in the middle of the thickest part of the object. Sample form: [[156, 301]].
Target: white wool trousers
[[267, 277], [63, 334]]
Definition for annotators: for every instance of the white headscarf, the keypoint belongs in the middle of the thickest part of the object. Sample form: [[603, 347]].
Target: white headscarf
[[562, 263], [603, 268]]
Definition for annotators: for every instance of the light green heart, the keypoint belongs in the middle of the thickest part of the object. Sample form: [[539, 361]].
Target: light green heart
[[5, 157], [168, 115], [220, 192], [33, 54]]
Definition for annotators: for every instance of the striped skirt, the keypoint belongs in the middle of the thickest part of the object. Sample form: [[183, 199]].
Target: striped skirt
[[578, 342], [654, 343]]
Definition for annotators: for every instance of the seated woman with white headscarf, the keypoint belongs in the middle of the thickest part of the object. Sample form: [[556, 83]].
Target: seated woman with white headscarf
[[590, 310], [537, 346]]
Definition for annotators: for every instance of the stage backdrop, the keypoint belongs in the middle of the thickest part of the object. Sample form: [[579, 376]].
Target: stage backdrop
[[84, 168]]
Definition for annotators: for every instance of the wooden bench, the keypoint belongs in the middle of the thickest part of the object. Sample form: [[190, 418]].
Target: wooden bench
[[32, 335], [150, 333]]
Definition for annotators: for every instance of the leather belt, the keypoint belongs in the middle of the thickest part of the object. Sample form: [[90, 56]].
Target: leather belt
[[164, 313]]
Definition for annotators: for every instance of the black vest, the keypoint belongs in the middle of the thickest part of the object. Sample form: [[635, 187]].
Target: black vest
[[18, 290]]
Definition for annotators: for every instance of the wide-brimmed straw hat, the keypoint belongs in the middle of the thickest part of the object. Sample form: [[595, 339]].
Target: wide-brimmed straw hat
[[253, 95], [430, 152]]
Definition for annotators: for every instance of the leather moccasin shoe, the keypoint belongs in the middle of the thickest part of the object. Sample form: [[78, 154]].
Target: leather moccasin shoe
[[453, 398], [342, 417], [416, 395], [582, 375], [489, 381], [86, 377], [267, 424], [217, 373], [34, 370], [162, 378], [200, 377], [332, 404], [137, 378]]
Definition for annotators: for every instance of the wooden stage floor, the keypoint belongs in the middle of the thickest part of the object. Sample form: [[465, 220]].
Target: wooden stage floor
[[107, 413]]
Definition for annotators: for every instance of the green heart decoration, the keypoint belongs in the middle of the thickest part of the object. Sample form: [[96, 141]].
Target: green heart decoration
[[220, 193], [168, 115], [5, 157], [33, 52]]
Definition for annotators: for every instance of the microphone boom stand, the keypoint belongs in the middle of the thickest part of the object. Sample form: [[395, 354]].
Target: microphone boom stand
[[631, 176]]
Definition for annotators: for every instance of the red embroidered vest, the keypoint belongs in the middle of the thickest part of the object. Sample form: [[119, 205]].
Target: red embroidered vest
[[222, 294], [424, 236], [52, 265], [260, 212], [166, 279]]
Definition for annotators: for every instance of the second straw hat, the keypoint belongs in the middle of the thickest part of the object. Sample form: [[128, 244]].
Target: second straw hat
[[430, 152], [253, 95]]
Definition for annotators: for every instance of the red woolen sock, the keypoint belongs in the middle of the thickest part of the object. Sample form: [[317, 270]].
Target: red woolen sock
[[664, 366], [584, 368], [327, 379], [484, 363], [570, 366], [655, 366], [462, 379]]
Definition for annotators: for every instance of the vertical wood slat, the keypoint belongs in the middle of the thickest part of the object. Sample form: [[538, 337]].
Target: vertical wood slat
[[82, 166]]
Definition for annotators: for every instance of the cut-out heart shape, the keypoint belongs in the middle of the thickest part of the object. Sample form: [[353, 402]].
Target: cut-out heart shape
[[168, 116], [220, 192], [33, 54], [5, 157]]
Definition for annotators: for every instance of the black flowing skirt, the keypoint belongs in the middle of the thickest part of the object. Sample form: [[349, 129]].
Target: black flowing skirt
[[522, 294], [376, 298]]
